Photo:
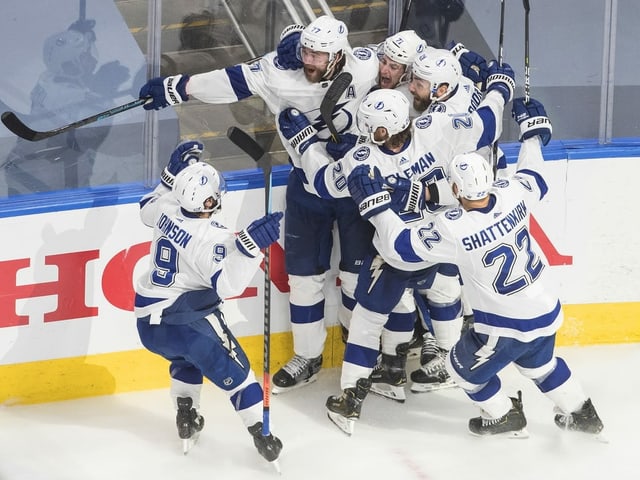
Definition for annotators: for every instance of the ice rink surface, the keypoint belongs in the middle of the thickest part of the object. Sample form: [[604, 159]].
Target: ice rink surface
[[133, 436]]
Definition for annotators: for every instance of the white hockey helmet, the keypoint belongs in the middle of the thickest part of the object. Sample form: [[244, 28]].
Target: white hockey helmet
[[471, 173], [438, 66], [195, 184], [327, 34], [403, 47], [386, 108]]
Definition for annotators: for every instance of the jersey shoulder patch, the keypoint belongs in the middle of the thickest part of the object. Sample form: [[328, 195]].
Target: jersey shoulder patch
[[424, 121], [361, 154], [437, 107], [362, 53], [453, 213], [501, 183]]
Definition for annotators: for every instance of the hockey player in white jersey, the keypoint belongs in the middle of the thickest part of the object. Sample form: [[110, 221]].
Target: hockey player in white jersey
[[516, 308], [324, 52], [195, 263]]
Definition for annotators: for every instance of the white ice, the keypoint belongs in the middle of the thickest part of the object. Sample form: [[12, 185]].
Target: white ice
[[133, 436]]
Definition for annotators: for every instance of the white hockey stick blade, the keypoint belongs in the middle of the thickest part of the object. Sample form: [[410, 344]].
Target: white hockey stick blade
[[397, 394], [345, 424]]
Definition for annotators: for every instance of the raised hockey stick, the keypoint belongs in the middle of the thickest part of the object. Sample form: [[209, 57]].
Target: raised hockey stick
[[527, 85], [330, 99], [16, 126], [262, 158], [494, 152]]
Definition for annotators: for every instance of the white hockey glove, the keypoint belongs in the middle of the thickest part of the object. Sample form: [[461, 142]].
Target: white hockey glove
[[532, 119]]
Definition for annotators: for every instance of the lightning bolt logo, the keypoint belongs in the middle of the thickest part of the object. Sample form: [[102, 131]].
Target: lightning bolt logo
[[227, 343], [485, 353], [376, 271]]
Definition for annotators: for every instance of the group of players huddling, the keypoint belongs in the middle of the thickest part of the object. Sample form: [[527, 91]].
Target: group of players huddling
[[424, 222]]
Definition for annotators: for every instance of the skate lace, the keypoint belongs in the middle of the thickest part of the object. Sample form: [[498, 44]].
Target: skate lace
[[296, 366], [437, 363], [429, 346], [487, 422]]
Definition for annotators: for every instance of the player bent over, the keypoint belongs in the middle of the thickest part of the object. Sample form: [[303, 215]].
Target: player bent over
[[195, 263], [516, 311]]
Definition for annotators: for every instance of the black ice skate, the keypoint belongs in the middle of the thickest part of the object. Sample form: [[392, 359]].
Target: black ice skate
[[268, 446], [583, 420], [344, 410], [389, 376], [512, 424], [298, 372], [189, 423], [432, 375]]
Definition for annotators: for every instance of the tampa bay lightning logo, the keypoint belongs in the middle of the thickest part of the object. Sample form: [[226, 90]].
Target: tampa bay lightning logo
[[204, 180], [342, 118], [361, 154], [437, 107], [362, 53], [453, 213], [501, 183], [423, 122]]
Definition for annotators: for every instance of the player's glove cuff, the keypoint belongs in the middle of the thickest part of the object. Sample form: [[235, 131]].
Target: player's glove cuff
[[246, 244], [374, 204]]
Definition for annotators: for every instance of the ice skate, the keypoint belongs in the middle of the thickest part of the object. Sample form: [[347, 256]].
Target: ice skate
[[268, 446], [512, 424], [297, 372], [189, 423], [584, 420], [344, 410], [432, 375], [390, 375]]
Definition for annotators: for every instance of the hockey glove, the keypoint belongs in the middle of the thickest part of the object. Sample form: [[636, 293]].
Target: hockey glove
[[340, 149], [184, 155], [165, 91], [259, 234], [406, 195], [288, 49], [474, 66], [451, 10], [532, 119], [297, 130], [502, 79], [366, 189]]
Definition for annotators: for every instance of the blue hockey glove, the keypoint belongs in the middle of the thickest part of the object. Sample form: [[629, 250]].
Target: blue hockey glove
[[366, 189], [288, 49], [502, 79], [451, 10], [259, 234], [184, 155], [296, 128], [339, 150], [474, 66], [165, 91], [532, 119], [406, 195]]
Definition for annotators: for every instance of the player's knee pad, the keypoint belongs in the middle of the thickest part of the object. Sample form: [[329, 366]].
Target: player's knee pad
[[306, 290]]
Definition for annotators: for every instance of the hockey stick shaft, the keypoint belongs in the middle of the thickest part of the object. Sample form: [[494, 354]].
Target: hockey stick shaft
[[330, 100], [248, 145], [17, 127], [494, 150], [527, 78]]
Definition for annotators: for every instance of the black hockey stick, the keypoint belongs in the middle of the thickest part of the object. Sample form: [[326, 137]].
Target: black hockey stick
[[263, 160], [494, 153], [16, 126], [330, 99], [527, 86]]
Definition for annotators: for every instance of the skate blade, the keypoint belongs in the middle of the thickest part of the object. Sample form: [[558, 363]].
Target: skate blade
[[347, 425], [431, 387], [276, 466], [189, 443], [514, 434], [396, 394], [276, 389]]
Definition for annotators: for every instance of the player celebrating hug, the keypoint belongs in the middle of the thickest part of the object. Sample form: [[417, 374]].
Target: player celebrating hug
[[298, 75], [517, 312], [195, 264]]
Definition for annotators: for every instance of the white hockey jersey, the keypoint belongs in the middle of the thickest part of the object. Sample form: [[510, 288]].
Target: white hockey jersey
[[188, 255], [510, 290], [436, 139]]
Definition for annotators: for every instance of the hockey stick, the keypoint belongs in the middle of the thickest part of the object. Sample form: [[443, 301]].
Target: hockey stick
[[330, 99], [16, 126], [494, 152], [263, 160], [527, 86]]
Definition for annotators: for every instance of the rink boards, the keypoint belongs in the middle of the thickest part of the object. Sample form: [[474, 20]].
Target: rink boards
[[66, 324]]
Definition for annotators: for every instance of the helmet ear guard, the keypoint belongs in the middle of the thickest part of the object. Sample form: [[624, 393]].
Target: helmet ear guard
[[472, 176], [438, 67], [383, 108], [197, 183]]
